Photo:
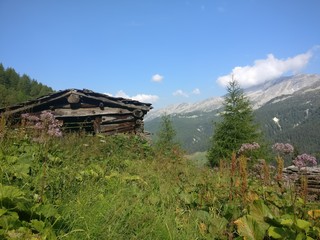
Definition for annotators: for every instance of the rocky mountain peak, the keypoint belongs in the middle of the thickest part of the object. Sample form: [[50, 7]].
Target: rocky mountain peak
[[258, 95]]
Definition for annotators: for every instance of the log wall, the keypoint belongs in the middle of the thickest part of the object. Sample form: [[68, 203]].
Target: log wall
[[87, 110], [312, 175]]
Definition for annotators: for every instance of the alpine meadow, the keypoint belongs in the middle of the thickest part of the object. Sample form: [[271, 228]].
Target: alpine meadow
[[252, 180]]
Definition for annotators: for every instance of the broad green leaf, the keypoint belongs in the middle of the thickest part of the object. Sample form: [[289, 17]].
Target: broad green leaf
[[47, 210], [218, 225], [258, 210], [276, 233], [2, 211], [273, 222], [10, 192], [303, 224], [300, 236], [287, 222], [249, 228], [37, 225], [9, 220]]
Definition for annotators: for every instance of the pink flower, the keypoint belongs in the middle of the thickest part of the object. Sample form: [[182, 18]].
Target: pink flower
[[304, 160], [46, 123], [284, 148], [248, 147]]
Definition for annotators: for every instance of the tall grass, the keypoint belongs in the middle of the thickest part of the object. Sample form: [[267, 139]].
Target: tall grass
[[121, 187]]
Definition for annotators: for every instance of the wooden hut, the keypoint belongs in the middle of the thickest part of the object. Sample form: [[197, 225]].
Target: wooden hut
[[86, 110]]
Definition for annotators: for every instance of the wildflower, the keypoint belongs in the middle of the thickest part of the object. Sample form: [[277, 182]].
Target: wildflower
[[46, 122], [284, 148], [38, 125], [55, 132], [248, 147], [29, 117], [304, 160]]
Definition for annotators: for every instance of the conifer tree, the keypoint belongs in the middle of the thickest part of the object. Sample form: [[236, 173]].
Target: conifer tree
[[16, 89], [166, 135], [237, 125]]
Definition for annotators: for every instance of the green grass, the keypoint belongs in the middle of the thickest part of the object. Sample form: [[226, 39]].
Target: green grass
[[198, 158], [120, 187]]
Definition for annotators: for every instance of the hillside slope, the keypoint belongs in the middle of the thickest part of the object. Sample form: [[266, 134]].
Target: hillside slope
[[286, 108], [15, 88]]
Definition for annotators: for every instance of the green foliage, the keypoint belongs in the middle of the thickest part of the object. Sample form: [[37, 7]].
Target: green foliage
[[280, 215], [22, 218], [165, 142], [298, 117], [193, 129], [278, 223], [237, 125], [15, 88], [120, 187]]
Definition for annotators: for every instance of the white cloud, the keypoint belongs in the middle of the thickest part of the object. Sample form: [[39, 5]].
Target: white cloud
[[139, 97], [157, 78], [146, 98], [266, 69], [180, 93], [122, 94], [196, 91]]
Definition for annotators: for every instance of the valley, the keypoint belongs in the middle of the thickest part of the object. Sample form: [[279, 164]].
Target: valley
[[287, 110]]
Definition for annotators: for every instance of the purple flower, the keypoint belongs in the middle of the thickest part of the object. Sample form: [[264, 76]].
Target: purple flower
[[46, 123], [29, 117], [248, 147], [39, 126], [55, 132], [25, 115], [47, 116], [284, 148], [304, 160]]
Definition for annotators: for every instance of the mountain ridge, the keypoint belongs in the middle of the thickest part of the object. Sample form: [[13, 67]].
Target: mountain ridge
[[258, 95], [287, 110]]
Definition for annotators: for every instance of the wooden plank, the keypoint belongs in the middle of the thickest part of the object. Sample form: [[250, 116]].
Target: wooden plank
[[82, 112], [104, 119], [119, 130], [114, 126], [105, 123], [116, 103], [108, 120], [25, 106], [115, 99]]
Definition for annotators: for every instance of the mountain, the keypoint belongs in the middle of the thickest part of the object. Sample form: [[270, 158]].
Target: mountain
[[207, 105], [285, 86], [287, 109]]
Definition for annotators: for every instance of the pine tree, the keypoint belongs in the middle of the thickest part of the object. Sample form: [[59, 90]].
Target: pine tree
[[16, 89], [166, 136], [237, 125]]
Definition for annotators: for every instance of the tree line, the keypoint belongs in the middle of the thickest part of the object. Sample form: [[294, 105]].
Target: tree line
[[235, 132], [16, 88]]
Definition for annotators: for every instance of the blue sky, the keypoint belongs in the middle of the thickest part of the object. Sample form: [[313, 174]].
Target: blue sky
[[164, 51]]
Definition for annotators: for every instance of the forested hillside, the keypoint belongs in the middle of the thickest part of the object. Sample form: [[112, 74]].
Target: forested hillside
[[294, 119], [288, 111], [15, 88]]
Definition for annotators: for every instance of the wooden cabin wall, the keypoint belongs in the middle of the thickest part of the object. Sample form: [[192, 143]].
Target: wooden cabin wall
[[92, 113]]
